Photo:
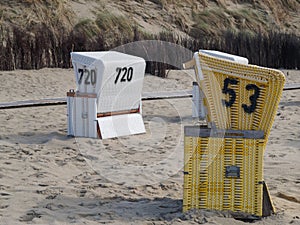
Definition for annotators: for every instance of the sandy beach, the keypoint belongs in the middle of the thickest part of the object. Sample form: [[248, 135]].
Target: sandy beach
[[47, 177]]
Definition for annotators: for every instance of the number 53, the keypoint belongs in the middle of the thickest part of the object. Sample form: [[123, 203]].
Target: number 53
[[253, 98]]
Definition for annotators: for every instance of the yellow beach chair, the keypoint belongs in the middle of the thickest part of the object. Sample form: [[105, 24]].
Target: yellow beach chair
[[224, 165]]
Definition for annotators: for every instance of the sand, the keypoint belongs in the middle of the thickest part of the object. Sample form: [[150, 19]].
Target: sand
[[47, 177]]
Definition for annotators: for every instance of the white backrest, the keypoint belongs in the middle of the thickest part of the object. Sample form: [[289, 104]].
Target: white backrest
[[116, 78]]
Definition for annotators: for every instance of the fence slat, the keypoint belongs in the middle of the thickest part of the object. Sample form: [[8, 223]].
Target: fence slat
[[146, 96]]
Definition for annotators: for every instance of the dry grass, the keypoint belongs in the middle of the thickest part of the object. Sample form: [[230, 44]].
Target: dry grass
[[27, 13], [87, 27], [209, 21], [198, 16], [116, 22], [114, 27]]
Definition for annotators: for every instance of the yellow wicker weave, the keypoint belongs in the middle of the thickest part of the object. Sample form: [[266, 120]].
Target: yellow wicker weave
[[207, 185], [252, 109]]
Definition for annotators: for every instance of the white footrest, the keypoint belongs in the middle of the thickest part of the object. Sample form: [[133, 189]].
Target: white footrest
[[121, 125]]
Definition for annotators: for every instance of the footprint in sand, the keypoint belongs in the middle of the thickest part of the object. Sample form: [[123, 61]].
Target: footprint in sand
[[4, 197], [29, 216], [288, 197]]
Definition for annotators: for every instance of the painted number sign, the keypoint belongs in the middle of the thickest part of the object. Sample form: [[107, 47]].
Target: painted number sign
[[232, 95], [87, 77], [124, 74]]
